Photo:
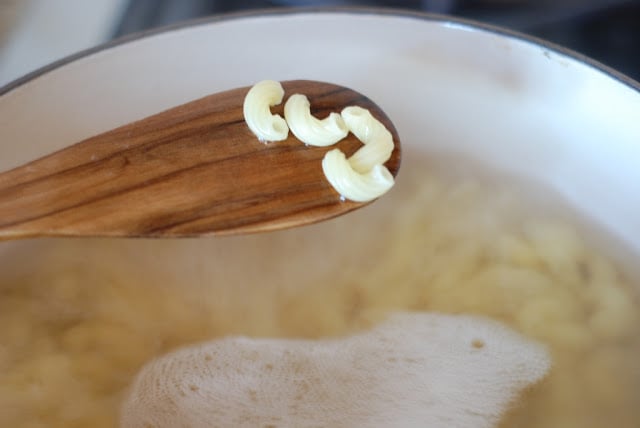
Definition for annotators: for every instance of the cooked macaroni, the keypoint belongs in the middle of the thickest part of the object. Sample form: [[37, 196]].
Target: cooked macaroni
[[362, 177], [310, 130], [353, 185], [266, 126], [377, 140]]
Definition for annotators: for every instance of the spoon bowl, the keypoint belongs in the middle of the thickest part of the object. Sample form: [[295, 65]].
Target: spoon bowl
[[193, 170]]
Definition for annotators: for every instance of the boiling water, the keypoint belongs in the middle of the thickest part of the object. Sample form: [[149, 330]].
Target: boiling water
[[79, 318]]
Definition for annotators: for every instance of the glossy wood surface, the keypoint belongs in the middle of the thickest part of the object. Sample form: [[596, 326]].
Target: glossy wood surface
[[193, 170]]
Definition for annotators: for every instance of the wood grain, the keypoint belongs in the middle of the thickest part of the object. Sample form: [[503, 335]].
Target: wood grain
[[193, 170]]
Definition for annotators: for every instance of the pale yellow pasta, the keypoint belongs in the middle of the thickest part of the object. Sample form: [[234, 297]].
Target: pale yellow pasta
[[353, 185], [571, 336], [613, 314], [84, 317], [362, 177], [377, 140], [310, 130], [256, 108]]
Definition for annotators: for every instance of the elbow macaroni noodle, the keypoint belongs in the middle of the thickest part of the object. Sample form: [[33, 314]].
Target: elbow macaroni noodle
[[353, 185], [362, 177], [310, 130], [266, 126], [377, 140]]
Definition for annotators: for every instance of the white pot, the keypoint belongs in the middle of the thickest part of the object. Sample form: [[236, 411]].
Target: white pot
[[519, 106], [449, 86]]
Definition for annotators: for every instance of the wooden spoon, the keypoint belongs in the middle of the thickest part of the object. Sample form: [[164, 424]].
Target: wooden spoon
[[192, 170]]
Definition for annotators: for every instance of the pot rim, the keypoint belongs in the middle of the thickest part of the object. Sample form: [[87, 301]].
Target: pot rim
[[286, 11]]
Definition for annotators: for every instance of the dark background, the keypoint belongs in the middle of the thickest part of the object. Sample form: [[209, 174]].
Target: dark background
[[606, 30]]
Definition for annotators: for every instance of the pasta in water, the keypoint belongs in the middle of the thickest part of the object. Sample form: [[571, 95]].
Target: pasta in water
[[266, 126], [310, 130], [412, 370], [79, 319]]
